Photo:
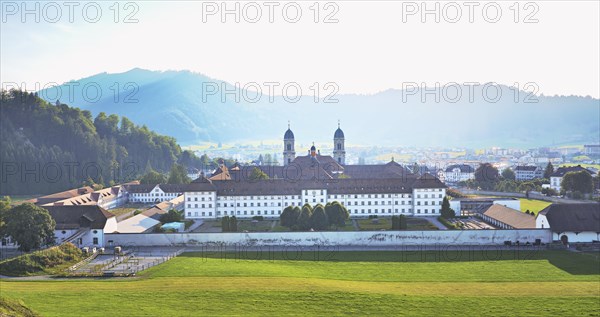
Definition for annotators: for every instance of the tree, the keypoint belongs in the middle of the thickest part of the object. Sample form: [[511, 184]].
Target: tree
[[580, 181], [549, 192], [506, 185], [178, 175], [486, 176], [288, 217], [304, 217], [395, 223], [233, 224], [4, 209], [549, 170], [225, 224], [318, 219], [172, 216], [507, 173], [30, 226], [402, 222], [257, 174], [153, 177], [446, 211], [337, 214]]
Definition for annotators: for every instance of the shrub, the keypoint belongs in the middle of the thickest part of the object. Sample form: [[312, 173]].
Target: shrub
[[259, 218]]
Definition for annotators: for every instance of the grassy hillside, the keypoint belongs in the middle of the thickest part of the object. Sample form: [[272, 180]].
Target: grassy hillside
[[48, 261], [14, 308], [305, 283]]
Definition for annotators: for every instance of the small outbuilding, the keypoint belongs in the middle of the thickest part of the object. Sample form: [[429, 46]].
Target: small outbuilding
[[571, 222]]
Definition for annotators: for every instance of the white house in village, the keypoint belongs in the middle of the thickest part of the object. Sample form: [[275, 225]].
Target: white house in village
[[83, 225], [528, 172], [458, 172], [154, 193], [557, 176], [571, 222]]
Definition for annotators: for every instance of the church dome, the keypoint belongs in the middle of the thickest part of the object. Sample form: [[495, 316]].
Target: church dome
[[339, 134], [288, 134], [313, 148]]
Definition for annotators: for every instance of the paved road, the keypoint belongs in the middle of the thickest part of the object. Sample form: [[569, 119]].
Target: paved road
[[197, 223], [436, 222]]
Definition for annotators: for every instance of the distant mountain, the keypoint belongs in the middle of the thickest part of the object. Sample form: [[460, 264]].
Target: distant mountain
[[171, 103]]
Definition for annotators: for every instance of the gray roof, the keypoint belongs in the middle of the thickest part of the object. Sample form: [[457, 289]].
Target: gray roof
[[288, 135], [561, 171], [573, 217], [146, 188], [464, 168], [528, 168], [333, 186], [78, 216]]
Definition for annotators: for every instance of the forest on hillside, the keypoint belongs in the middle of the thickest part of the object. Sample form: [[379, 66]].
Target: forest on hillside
[[47, 148]]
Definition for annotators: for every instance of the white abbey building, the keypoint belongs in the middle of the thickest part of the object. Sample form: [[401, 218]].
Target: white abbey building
[[384, 190]]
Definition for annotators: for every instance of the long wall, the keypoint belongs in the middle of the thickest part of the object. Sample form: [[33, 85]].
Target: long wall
[[364, 238]]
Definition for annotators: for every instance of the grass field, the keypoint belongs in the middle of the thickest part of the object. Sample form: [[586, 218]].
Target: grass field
[[475, 283], [375, 224], [533, 205], [596, 166]]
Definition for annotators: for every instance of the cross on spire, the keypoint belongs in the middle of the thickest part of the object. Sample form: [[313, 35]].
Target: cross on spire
[[338, 123], [288, 124]]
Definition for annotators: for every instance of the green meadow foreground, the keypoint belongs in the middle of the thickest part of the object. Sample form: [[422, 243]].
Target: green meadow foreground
[[473, 283]]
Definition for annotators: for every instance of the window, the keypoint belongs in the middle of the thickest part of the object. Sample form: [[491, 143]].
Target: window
[[95, 241]]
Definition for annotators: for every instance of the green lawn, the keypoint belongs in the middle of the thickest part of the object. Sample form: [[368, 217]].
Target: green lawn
[[415, 223], [596, 166], [557, 283], [375, 224], [258, 226], [533, 205]]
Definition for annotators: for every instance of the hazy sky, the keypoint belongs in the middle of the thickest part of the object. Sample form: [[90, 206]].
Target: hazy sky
[[370, 48]]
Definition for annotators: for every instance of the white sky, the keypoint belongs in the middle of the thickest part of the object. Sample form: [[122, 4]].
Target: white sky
[[370, 49]]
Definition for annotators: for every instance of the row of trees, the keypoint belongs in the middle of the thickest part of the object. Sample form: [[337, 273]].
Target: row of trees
[[399, 222], [229, 224], [53, 147], [332, 215], [30, 226]]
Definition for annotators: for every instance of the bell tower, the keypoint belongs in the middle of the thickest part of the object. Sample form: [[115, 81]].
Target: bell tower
[[339, 150], [289, 152]]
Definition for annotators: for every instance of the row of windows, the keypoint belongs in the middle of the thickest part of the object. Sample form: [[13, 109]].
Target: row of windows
[[425, 203], [273, 212], [155, 194], [196, 199], [426, 196], [328, 196], [233, 213], [196, 206], [272, 204]]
